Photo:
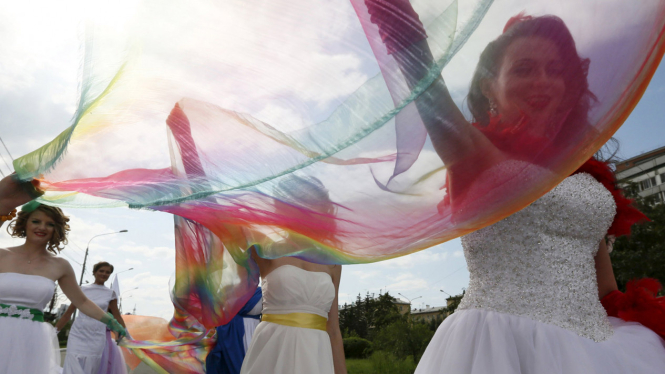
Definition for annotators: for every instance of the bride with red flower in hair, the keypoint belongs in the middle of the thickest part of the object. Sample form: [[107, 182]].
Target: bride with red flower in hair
[[542, 296]]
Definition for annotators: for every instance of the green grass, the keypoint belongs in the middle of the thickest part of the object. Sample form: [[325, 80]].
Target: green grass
[[359, 366], [380, 363]]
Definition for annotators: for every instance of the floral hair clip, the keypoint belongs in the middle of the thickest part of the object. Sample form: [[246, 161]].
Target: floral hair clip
[[515, 20]]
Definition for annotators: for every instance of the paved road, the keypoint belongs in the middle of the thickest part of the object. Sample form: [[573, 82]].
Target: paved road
[[141, 369]]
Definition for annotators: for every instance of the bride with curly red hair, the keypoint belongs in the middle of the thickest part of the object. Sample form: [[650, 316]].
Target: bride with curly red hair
[[537, 277]]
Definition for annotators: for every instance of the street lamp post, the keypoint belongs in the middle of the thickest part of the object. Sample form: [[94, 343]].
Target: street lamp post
[[120, 297], [85, 258], [120, 272], [409, 300]]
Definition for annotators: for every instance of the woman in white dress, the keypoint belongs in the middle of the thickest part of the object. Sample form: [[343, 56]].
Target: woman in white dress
[[87, 342], [537, 277], [299, 331], [28, 276]]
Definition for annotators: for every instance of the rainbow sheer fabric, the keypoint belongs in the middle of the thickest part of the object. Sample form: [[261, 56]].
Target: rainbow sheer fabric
[[292, 129]]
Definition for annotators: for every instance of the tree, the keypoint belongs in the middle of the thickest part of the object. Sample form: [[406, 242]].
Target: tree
[[404, 338], [366, 316], [642, 254]]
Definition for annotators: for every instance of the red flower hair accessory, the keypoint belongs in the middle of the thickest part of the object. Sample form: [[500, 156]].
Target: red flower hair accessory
[[516, 19]]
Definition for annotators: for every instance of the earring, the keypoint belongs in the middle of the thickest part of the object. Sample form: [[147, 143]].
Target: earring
[[493, 108]]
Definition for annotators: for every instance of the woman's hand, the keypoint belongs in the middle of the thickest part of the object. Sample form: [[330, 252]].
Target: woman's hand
[[114, 325], [399, 25], [14, 193]]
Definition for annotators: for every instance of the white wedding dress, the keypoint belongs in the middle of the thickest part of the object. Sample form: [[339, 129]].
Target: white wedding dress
[[279, 349], [26, 346], [532, 305], [87, 337]]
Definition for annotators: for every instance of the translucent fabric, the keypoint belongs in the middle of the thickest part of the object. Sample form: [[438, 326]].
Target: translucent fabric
[[330, 130]]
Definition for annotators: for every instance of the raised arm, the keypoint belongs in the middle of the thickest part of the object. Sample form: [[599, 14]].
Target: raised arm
[[459, 144], [333, 327], [13, 193], [455, 140]]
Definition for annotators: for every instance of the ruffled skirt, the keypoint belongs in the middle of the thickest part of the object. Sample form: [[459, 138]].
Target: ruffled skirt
[[81, 361], [477, 341], [28, 347], [279, 349]]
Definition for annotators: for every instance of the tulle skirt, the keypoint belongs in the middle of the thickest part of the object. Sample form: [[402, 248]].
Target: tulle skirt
[[478, 341], [279, 349], [28, 347], [82, 361]]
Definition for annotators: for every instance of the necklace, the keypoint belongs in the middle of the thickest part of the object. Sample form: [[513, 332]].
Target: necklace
[[30, 259]]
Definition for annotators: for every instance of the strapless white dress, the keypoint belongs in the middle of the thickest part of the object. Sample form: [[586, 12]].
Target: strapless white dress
[[279, 349], [532, 304], [26, 346]]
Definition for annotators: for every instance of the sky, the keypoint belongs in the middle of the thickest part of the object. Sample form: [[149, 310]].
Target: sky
[[40, 53]]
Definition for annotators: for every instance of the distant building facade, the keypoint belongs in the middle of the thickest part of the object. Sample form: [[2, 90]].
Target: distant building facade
[[647, 171], [402, 306], [428, 313]]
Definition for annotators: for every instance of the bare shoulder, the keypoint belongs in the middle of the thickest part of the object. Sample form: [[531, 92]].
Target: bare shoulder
[[336, 270], [62, 265], [5, 253]]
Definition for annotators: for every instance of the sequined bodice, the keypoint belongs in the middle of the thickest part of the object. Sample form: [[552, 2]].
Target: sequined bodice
[[539, 262]]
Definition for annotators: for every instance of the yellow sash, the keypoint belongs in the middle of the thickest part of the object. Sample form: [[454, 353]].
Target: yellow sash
[[306, 320]]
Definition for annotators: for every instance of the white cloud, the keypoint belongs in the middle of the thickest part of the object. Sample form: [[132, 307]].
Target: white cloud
[[406, 282], [364, 274], [416, 259], [149, 252]]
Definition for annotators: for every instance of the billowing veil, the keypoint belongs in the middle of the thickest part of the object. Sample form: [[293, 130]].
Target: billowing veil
[[220, 112]]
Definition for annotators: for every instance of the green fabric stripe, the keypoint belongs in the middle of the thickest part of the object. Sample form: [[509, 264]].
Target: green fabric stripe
[[21, 312]]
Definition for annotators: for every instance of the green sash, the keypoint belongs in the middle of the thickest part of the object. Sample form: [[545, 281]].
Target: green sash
[[21, 312]]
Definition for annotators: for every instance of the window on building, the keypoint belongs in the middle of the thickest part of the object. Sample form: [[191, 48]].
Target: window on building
[[662, 178], [647, 183]]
